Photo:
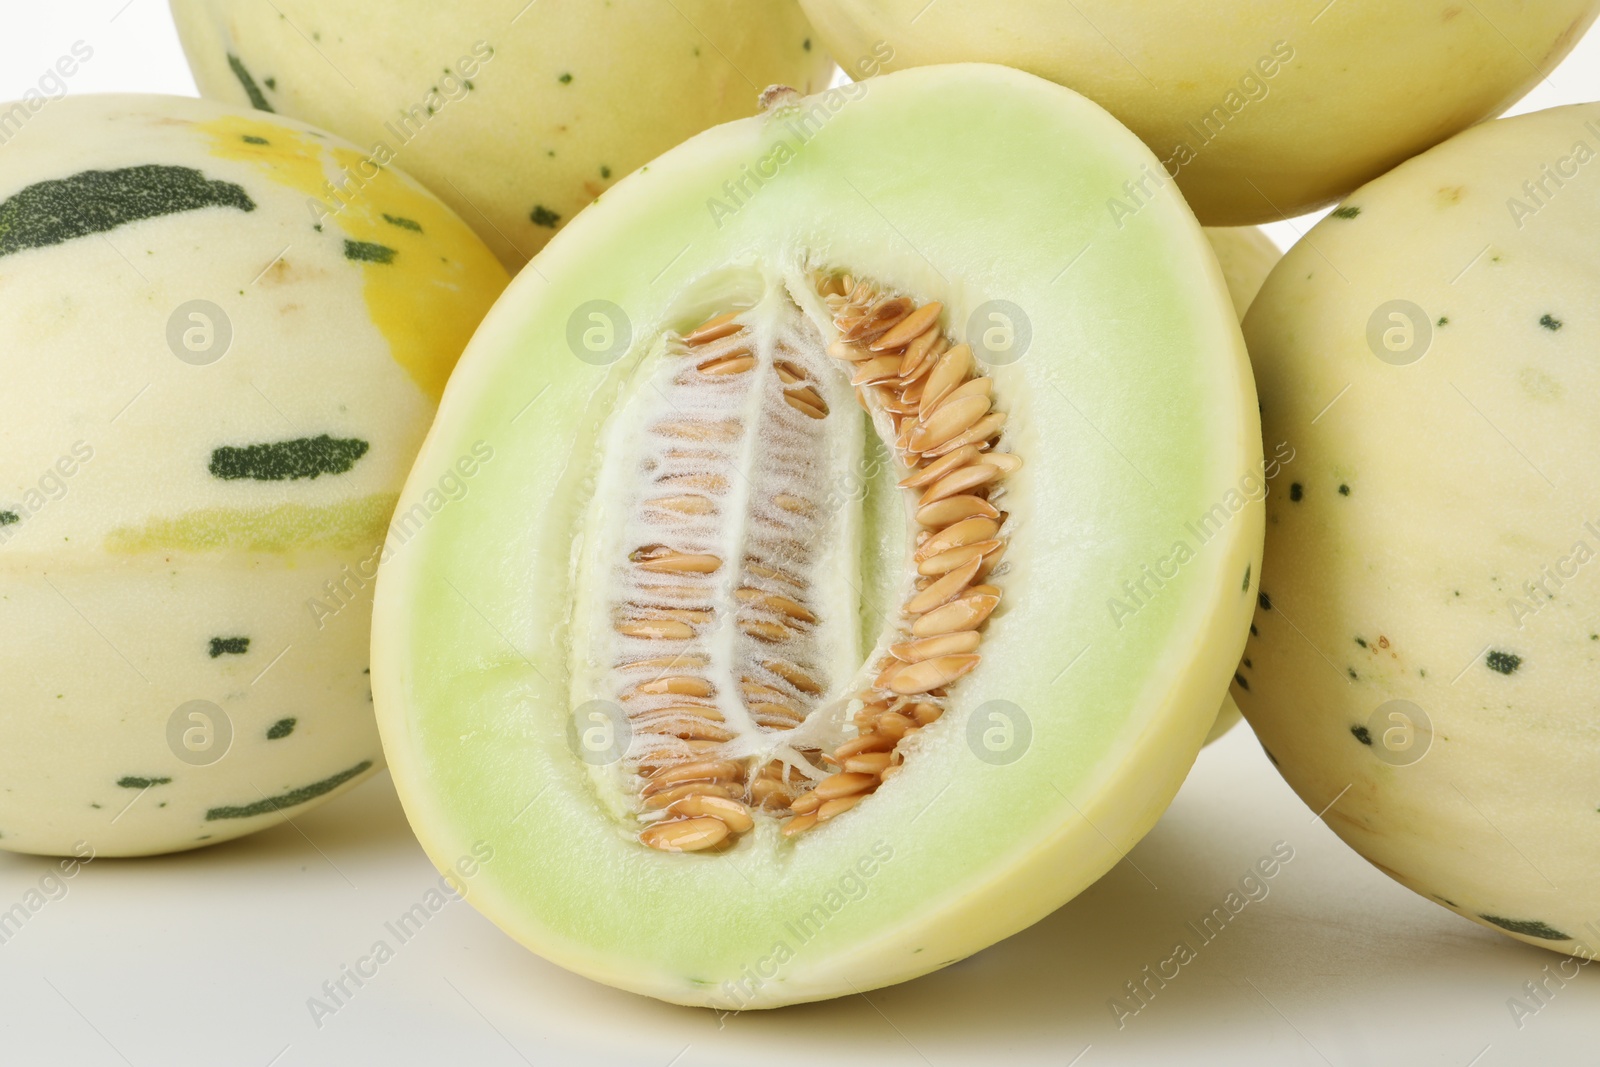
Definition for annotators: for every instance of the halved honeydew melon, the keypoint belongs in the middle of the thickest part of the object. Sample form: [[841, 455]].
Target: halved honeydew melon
[[714, 309]]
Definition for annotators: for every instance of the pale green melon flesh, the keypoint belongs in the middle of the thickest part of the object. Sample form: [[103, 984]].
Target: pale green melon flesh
[[1135, 413], [134, 577], [1436, 546]]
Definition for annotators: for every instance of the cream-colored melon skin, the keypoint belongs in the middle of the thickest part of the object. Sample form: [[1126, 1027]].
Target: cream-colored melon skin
[[564, 99], [1261, 109], [121, 554], [1432, 490], [1246, 255]]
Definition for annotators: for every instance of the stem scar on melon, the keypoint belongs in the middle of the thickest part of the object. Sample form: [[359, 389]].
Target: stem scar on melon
[[728, 721]]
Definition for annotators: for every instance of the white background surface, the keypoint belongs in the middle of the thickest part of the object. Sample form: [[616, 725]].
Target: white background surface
[[210, 957]]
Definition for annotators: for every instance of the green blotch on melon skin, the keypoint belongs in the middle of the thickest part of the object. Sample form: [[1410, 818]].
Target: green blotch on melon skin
[[285, 528], [1504, 662], [229, 646], [281, 729], [1550, 322], [543, 216], [1527, 928], [258, 99], [1362, 734], [278, 461], [249, 139], [1346, 212], [403, 223], [368, 252], [133, 781], [94, 201], [7, 518], [293, 797]]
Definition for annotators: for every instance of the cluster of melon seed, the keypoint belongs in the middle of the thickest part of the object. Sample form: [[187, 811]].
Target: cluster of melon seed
[[938, 410], [695, 796], [944, 431]]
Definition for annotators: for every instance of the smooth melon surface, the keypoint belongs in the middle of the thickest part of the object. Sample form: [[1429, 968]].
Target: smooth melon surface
[[1246, 255], [1260, 110], [1133, 407], [515, 118], [1427, 653], [192, 495]]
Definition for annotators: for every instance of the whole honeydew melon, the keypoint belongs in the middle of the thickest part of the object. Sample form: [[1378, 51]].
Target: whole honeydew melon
[[1260, 109], [212, 396], [515, 118], [742, 723], [1427, 649]]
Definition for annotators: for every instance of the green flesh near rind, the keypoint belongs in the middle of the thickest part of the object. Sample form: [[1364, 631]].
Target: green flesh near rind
[[1134, 411]]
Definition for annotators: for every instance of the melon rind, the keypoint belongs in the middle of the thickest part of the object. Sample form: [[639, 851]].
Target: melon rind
[[1246, 255], [1440, 484], [124, 559], [1137, 365]]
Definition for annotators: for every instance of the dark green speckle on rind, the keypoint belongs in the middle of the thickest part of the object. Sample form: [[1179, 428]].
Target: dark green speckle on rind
[[258, 99], [543, 216], [1550, 322], [402, 222], [1347, 212], [250, 138], [229, 646], [368, 252], [1296, 491], [1362, 734], [7, 518], [1504, 662], [94, 201], [280, 729], [302, 457], [134, 781], [290, 799], [1527, 928]]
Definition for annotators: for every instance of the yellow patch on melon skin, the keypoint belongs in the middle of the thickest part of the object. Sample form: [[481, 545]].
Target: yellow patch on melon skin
[[416, 299], [282, 529]]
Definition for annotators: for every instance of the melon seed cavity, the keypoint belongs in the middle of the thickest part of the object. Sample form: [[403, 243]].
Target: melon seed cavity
[[731, 639]]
